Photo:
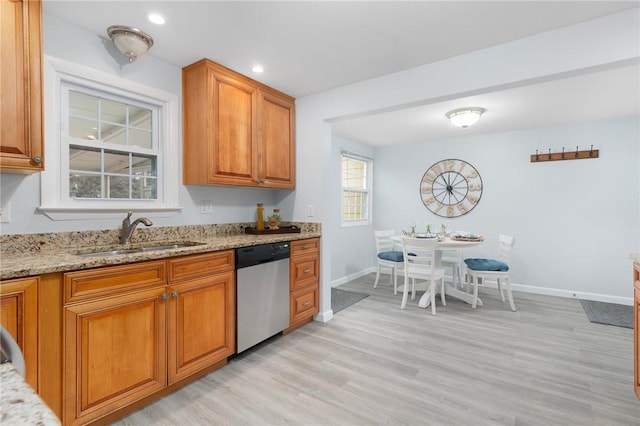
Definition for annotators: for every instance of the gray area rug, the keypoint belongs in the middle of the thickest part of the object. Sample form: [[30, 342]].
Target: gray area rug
[[342, 299], [608, 313]]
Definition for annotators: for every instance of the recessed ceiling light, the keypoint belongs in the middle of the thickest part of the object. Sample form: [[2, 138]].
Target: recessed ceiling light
[[156, 19], [257, 68]]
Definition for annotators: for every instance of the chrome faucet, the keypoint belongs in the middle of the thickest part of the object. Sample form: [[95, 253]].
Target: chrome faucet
[[128, 227]]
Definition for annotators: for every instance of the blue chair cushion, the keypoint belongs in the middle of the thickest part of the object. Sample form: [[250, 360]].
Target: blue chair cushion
[[486, 265], [393, 256]]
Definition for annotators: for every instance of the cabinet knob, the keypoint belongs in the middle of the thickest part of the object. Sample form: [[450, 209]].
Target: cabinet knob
[[307, 303], [174, 293], [307, 271], [37, 159], [164, 296]]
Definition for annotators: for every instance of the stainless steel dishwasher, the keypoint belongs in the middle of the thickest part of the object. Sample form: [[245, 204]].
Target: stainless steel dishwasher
[[262, 292]]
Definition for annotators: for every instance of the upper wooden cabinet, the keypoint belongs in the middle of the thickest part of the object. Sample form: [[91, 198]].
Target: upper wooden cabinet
[[21, 141], [236, 131]]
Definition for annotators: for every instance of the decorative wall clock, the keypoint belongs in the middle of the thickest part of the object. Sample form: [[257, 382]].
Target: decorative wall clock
[[451, 188]]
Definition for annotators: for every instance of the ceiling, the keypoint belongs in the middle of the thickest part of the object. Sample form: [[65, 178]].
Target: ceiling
[[308, 47]]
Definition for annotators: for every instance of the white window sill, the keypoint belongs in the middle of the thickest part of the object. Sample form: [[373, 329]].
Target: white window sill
[[93, 213]]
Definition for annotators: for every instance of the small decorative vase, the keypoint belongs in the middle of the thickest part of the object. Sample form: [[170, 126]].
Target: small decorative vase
[[274, 223], [274, 219]]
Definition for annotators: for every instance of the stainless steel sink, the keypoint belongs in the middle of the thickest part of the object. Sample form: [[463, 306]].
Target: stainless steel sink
[[143, 249]]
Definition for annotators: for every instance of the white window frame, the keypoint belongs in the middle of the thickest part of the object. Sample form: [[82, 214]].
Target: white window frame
[[54, 201], [369, 189]]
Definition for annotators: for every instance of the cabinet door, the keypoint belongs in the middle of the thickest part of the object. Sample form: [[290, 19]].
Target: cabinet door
[[232, 153], [20, 86], [114, 352], [201, 324], [19, 303], [276, 153]]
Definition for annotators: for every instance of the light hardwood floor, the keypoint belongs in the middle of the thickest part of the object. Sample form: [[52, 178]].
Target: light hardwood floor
[[373, 363]]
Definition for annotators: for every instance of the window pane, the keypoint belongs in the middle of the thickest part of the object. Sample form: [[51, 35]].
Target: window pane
[[143, 165], [141, 138], [144, 188], [117, 186], [114, 134], [81, 128], [84, 159], [353, 173], [113, 112], [140, 117], [84, 186], [115, 162], [83, 105]]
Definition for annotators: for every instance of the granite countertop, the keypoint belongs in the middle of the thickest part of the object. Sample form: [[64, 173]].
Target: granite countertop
[[19, 403], [26, 258]]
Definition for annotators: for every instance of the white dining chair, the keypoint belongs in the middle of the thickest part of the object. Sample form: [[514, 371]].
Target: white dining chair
[[479, 270], [420, 263], [388, 257]]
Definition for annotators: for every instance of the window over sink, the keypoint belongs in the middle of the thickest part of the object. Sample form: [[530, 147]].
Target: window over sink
[[116, 141]]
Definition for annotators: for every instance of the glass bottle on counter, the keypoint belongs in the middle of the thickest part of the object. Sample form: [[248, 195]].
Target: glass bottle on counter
[[260, 223]]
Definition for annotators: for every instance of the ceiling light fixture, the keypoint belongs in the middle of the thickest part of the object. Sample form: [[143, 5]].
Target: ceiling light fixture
[[465, 117], [156, 19], [257, 69], [130, 41]]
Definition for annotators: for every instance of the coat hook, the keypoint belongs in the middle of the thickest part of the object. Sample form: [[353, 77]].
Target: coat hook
[[549, 153], [562, 152], [576, 151], [591, 152]]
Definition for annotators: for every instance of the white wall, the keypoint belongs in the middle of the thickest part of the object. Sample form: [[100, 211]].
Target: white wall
[[606, 42], [575, 222], [73, 44]]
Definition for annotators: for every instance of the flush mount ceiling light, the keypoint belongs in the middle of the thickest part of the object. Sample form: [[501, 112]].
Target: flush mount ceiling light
[[130, 41], [465, 117]]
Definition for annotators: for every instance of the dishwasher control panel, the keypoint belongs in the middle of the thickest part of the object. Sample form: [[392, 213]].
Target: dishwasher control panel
[[263, 253]]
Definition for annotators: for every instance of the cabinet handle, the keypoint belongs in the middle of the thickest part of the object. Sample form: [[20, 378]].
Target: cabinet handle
[[305, 247], [306, 303], [164, 296], [174, 293], [37, 159], [256, 180], [307, 271]]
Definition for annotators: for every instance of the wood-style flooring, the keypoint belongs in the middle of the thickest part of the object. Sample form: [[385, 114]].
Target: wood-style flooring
[[374, 364]]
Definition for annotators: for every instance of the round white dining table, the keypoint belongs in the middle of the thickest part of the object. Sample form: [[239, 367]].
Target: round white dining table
[[449, 290]]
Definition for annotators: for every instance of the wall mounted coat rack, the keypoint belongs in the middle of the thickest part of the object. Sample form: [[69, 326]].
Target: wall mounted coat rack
[[564, 155]]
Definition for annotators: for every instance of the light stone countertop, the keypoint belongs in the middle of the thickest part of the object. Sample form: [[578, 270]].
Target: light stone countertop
[[19, 403], [25, 263]]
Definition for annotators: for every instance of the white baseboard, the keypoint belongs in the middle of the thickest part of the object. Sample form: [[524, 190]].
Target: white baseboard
[[352, 277], [572, 294], [323, 316]]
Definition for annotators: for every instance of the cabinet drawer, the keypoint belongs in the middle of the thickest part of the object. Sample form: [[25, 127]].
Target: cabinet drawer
[[200, 265], [303, 303], [304, 247], [111, 280], [304, 271]]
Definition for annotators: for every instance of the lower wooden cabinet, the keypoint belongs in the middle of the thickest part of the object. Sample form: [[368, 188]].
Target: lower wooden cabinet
[[636, 328], [115, 353], [19, 303], [304, 281], [124, 345], [201, 313]]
